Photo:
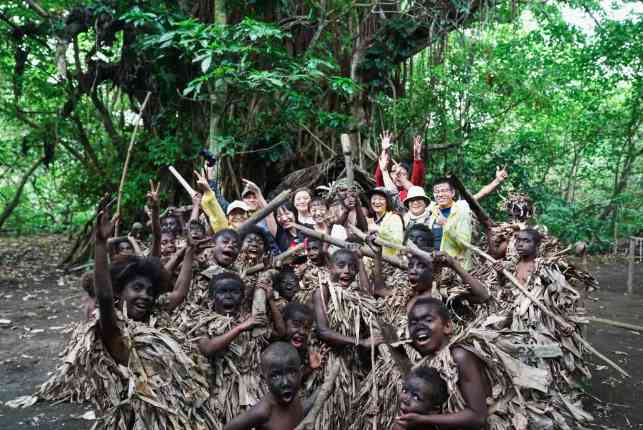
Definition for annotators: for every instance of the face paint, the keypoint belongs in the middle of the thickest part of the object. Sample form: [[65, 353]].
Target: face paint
[[139, 296], [344, 270], [283, 377], [227, 296], [428, 331], [226, 249]]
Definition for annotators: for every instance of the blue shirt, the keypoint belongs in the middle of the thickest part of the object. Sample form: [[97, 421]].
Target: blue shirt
[[436, 229]]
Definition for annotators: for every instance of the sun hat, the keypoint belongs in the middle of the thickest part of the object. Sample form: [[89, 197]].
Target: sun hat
[[416, 192]]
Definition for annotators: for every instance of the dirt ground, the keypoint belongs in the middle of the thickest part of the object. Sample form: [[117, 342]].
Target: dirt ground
[[38, 302]]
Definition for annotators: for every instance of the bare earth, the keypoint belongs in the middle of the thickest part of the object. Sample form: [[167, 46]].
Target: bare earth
[[40, 302]]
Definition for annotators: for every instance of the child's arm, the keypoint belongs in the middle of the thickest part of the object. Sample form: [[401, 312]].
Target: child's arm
[[360, 218], [329, 335], [183, 282], [478, 292], [266, 284], [196, 207], [173, 263], [153, 203], [217, 344], [137, 249], [108, 328], [253, 418], [471, 384]]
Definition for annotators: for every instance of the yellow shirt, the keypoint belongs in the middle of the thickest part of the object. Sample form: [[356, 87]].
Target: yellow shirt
[[456, 230]]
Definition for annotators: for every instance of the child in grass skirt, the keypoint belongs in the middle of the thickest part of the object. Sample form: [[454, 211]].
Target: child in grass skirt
[[132, 365]]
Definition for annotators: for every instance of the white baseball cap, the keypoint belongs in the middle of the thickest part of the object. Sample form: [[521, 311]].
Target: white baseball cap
[[237, 204]]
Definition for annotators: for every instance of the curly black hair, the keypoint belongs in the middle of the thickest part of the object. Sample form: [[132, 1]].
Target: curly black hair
[[125, 269]]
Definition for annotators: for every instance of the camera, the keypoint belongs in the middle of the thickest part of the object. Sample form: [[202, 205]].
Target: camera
[[209, 157]]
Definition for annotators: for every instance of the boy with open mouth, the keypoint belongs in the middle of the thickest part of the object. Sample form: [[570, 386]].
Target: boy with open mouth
[[281, 408]]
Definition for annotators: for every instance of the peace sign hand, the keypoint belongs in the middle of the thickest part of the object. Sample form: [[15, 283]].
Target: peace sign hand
[[153, 194], [202, 181]]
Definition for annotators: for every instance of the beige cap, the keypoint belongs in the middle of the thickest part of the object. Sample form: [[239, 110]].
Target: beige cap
[[237, 204], [416, 193]]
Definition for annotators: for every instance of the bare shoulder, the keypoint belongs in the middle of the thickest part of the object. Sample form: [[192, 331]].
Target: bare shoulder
[[463, 357]]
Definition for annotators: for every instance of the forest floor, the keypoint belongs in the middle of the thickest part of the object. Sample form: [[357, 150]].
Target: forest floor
[[38, 303]]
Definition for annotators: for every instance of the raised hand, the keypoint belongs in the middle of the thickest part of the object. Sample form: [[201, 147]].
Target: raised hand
[[386, 138], [314, 359], [384, 160], [501, 174], [265, 283], [417, 148], [196, 199], [251, 186], [202, 181], [153, 194], [105, 225]]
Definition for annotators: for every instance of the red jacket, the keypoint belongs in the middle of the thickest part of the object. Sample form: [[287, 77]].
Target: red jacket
[[417, 176]]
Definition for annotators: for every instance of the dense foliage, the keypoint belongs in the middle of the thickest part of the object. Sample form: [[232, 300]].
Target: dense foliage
[[269, 87]]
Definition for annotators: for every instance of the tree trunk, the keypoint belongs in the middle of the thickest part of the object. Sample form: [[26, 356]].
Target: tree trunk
[[6, 213]]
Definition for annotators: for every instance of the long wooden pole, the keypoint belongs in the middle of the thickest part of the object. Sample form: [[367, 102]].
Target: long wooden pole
[[565, 325], [482, 215], [365, 250], [265, 211], [348, 158], [630, 266], [127, 158], [410, 247]]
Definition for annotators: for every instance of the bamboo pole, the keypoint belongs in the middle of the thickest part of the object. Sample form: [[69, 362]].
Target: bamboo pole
[[630, 267], [364, 250], [348, 158], [127, 158], [616, 323], [564, 325], [265, 211], [410, 247], [322, 396]]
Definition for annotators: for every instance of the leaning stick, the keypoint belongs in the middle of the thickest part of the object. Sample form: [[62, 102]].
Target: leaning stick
[[182, 181], [127, 158], [322, 396], [616, 323], [348, 158], [365, 250], [265, 211], [278, 260], [565, 325], [378, 241]]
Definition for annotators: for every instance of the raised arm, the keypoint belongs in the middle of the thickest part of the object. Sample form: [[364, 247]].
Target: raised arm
[[501, 175], [153, 203], [478, 292], [174, 261], [217, 344], [196, 207], [210, 205], [108, 328], [418, 168], [266, 283], [182, 285]]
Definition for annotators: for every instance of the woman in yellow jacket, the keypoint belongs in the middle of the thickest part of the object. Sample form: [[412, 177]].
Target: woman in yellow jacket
[[388, 224]]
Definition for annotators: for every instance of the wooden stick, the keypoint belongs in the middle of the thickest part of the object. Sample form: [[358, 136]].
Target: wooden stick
[[482, 215], [322, 396], [378, 241], [348, 159], [277, 261], [127, 158], [365, 250], [182, 181], [565, 325], [616, 323], [265, 211]]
